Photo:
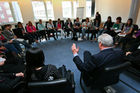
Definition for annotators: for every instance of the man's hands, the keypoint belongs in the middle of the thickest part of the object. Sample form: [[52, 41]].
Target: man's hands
[[128, 53], [74, 49], [122, 33], [11, 41], [15, 37], [134, 36], [19, 74]]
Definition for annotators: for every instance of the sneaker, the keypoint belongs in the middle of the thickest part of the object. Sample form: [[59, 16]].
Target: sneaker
[[80, 39]]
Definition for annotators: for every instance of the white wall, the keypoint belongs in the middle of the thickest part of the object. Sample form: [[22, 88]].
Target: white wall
[[107, 8], [26, 10], [57, 7], [113, 8], [138, 17]]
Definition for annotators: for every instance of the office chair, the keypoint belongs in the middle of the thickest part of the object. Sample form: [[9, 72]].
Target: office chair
[[103, 78], [65, 84]]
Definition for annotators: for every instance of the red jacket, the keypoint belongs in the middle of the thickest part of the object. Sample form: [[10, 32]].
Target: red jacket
[[31, 29]]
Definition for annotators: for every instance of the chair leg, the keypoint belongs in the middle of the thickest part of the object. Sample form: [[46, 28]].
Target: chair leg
[[79, 34]]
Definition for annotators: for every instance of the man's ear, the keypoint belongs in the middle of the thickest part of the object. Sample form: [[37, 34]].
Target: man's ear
[[100, 45]]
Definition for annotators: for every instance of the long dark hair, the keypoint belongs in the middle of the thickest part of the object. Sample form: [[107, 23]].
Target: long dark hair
[[131, 22], [30, 23], [34, 59], [96, 19], [59, 21], [109, 17], [119, 18]]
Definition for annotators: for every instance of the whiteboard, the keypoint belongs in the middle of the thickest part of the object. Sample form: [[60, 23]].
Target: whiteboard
[[80, 12]]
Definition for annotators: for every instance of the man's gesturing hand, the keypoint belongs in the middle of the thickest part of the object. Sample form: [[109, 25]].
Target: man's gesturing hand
[[74, 49]]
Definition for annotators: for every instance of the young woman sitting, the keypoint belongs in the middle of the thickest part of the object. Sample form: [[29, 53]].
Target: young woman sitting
[[36, 67]]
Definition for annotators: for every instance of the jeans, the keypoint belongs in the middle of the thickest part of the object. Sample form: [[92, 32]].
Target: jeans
[[17, 46], [62, 33], [11, 48], [49, 32], [83, 32], [23, 43]]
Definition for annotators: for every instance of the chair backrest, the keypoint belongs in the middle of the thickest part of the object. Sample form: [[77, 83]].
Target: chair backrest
[[107, 76], [2, 27], [46, 23], [74, 21], [54, 23], [26, 28], [63, 23], [123, 24], [36, 25], [83, 20], [65, 84], [16, 26], [56, 86], [18, 32], [136, 27]]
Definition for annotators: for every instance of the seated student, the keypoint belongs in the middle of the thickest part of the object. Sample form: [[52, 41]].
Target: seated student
[[50, 29], [105, 58], [11, 38], [107, 26], [8, 80], [9, 47], [133, 55], [68, 26], [59, 27], [11, 63], [6, 48], [35, 65], [76, 28], [32, 31], [116, 27], [133, 40], [42, 29], [94, 28], [85, 26], [40, 25], [98, 16], [127, 29], [23, 34]]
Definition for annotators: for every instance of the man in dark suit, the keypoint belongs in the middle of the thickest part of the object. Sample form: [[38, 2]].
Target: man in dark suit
[[105, 58]]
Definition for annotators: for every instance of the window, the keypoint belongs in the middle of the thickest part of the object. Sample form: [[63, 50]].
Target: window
[[5, 13], [67, 9], [88, 8], [17, 11], [50, 12], [39, 10], [75, 5]]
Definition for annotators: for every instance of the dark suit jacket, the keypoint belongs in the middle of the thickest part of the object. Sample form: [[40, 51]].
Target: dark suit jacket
[[105, 58]]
